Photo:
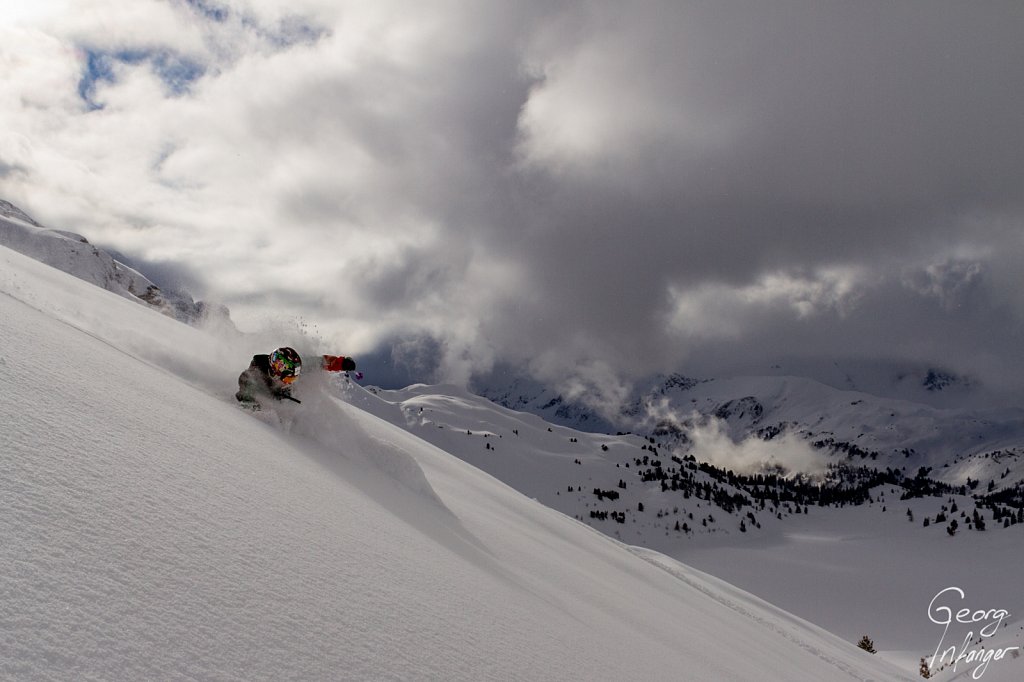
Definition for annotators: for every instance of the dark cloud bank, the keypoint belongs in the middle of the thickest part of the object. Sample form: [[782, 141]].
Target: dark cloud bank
[[712, 186]]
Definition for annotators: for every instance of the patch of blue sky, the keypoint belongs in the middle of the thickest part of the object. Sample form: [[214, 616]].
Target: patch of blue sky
[[290, 31], [295, 30], [210, 10], [98, 67], [176, 71]]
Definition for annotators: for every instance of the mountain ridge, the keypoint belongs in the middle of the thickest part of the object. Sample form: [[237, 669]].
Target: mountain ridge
[[73, 253]]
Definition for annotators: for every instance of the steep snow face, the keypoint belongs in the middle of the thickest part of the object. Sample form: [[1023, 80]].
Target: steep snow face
[[72, 253], [152, 530]]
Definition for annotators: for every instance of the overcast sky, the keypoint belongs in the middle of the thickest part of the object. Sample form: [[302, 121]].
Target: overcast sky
[[595, 189]]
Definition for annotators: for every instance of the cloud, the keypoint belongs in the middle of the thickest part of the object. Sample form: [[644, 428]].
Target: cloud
[[787, 453], [593, 190], [717, 311], [709, 440]]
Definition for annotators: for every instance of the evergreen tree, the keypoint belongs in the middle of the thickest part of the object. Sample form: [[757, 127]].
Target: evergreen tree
[[866, 644]]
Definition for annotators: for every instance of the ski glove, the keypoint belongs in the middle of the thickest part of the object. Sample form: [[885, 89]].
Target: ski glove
[[337, 363]]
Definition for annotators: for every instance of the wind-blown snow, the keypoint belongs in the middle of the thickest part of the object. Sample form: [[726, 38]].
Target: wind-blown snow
[[152, 530]]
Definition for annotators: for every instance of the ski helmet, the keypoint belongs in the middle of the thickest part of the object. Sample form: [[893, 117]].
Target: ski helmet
[[285, 364]]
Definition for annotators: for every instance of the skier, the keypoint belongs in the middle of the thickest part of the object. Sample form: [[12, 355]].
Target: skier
[[272, 376]]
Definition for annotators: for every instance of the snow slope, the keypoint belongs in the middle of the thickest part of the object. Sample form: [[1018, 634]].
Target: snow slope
[[865, 571], [152, 530], [855, 570]]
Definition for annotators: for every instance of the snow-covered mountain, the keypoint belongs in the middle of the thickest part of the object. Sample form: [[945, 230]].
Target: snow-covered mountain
[[152, 530], [959, 445], [519, 392], [920, 384], [883, 432], [752, 451], [73, 254]]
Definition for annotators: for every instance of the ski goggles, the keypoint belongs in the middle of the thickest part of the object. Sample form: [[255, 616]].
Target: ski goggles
[[284, 367], [289, 379]]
